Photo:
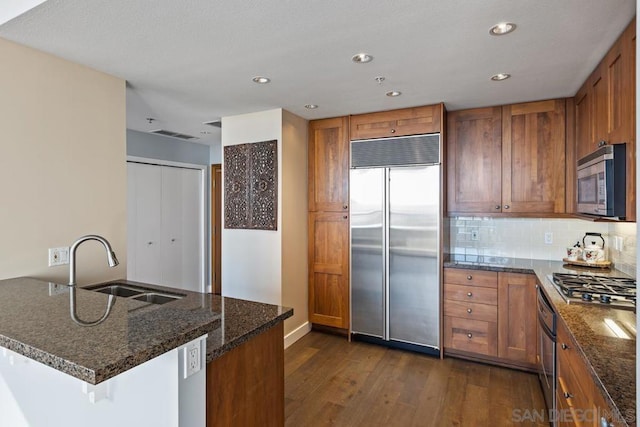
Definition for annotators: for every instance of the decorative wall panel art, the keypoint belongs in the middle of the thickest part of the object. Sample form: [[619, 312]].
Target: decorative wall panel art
[[251, 186]]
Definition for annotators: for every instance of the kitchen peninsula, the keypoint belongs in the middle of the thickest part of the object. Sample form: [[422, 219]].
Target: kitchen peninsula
[[130, 369]]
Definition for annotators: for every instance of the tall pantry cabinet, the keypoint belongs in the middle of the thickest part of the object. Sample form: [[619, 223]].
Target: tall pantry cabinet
[[329, 222]]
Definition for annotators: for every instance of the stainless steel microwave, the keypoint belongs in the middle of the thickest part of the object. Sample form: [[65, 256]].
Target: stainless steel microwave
[[602, 182]]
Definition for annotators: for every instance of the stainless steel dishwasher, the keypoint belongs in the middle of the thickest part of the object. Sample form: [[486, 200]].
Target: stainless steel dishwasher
[[547, 346]]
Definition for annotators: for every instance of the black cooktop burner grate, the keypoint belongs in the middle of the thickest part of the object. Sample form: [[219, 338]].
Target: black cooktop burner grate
[[603, 288]]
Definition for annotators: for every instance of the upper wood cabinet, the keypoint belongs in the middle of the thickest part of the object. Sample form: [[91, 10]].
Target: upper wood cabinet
[[408, 121], [533, 157], [509, 159], [474, 160], [329, 165], [605, 108]]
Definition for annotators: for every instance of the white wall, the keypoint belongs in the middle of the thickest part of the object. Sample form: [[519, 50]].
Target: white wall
[[62, 165], [252, 259], [271, 266]]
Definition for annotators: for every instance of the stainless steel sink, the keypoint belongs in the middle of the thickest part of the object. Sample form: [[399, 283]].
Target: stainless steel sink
[[137, 293], [156, 298]]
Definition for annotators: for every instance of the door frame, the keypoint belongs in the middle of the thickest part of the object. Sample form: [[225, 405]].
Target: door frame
[[205, 183]]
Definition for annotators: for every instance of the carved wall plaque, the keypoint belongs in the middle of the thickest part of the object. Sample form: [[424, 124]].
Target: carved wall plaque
[[251, 186]]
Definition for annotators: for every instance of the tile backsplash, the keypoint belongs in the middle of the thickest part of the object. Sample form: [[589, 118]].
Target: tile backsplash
[[525, 238]]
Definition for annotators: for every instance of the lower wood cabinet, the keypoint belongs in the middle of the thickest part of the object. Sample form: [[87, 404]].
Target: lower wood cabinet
[[580, 401], [329, 269], [490, 316], [245, 386]]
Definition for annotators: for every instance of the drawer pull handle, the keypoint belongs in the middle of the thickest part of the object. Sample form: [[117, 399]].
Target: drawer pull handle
[[564, 346], [469, 310], [345, 217], [469, 335], [567, 395], [469, 294], [497, 207], [344, 206], [393, 131], [507, 206], [469, 277]]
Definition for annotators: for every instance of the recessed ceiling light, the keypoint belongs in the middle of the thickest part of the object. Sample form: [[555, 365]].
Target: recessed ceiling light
[[362, 58], [500, 76], [393, 93], [311, 106], [261, 80], [502, 28]]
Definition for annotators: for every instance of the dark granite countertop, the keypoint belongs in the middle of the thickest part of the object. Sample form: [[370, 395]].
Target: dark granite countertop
[[35, 322], [612, 359]]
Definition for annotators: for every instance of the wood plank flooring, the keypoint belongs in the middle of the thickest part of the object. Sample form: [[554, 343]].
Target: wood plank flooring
[[331, 382]]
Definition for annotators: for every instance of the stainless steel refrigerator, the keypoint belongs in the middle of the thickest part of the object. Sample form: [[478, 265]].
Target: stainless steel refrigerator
[[395, 210]]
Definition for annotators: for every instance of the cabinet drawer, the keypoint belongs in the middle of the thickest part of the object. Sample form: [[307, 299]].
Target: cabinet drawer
[[474, 336], [459, 276], [471, 294], [385, 124], [469, 310]]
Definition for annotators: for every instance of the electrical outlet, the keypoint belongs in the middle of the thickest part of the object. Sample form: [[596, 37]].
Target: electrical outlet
[[191, 359], [57, 289], [58, 256], [474, 234], [548, 238]]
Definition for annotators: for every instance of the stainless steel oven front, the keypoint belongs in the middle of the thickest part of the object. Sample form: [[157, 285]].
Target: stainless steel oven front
[[547, 349]]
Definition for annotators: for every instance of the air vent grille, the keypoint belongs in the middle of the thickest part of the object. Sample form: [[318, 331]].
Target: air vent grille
[[402, 151], [172, 134]]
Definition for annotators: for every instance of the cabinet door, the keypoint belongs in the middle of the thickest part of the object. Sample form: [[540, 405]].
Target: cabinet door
[[599, 112], [583, 107], [329, 269], [182, 235], [385, 124], [533, 157], [144, 194], [474, 160], [517, 321], [329, 165]]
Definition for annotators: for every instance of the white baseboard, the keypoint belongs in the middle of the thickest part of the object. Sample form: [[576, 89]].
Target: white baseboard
[[296, 334]]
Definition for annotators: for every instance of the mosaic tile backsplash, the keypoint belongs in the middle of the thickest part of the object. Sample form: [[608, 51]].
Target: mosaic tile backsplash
[[525, 238]]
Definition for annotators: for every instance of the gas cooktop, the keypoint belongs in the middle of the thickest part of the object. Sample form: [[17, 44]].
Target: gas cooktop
[[618, 292]]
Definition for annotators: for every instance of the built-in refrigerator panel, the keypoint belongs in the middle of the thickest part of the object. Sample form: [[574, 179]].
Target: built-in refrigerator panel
[[414, 275], [367, 251]]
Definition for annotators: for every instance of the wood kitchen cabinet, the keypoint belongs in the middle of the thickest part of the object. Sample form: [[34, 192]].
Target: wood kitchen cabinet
[[507, 160], [605, 108], [490, 316], [517, 318], [329, 165], [329, 222], [329, 269], [533, 157], [577, 392], [408, 121], [474, 160]]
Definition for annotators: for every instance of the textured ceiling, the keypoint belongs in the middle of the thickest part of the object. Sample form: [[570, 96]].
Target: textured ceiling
[[191, 61]]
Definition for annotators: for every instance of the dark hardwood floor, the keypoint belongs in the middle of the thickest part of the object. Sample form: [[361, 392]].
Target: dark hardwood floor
[[331, 382]]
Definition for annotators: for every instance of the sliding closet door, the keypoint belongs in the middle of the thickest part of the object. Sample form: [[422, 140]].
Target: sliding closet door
[[182, 232], [166, 226], [144, 196]]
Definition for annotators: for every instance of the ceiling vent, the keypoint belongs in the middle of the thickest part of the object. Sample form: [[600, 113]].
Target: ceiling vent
[[172, 134], [214, 123]]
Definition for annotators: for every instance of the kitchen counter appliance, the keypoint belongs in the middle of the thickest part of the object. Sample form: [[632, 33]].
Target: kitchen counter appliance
[[395, 210], [602, 182], [618, 292], [547, 351]]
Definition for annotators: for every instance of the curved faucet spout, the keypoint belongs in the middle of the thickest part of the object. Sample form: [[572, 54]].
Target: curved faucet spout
[[74, 315], [111, 256]]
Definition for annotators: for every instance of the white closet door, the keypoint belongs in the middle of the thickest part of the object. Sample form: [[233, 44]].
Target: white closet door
[[144, 222], [182, 233]]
